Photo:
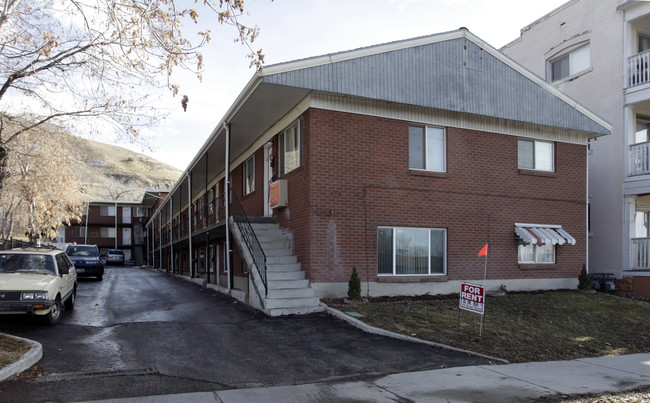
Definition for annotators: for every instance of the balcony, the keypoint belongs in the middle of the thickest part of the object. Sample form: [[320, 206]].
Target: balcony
[[640, 159], [640, 254], [639, 69]]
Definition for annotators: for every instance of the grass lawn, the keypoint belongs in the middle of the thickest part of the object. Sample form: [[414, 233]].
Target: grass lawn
[[11, 349], [518, 327]]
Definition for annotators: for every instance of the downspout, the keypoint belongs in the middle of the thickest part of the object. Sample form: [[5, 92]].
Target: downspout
[[227, 206], [171, 234], [116, 225], [205, 214], [86, 232], [190, 216], [160, 239], [587, 213]]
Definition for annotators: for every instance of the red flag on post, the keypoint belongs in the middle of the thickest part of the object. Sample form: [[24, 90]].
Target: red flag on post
[[483, 251]]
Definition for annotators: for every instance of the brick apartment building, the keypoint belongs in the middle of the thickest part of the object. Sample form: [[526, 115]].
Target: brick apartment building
[[402, 160], [115, 225]]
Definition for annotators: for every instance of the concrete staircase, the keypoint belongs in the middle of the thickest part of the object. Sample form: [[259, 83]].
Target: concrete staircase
[[289, 291]]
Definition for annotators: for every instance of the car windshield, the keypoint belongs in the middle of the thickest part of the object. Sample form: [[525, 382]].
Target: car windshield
[[81, 251], [115, 252], [26, 263]]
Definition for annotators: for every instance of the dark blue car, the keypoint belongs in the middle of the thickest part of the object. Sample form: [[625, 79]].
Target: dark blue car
[[86, 260]]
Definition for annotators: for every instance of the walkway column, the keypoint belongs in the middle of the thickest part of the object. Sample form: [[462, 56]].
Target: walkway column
[[190, 216], [227, 205], [171, 233]]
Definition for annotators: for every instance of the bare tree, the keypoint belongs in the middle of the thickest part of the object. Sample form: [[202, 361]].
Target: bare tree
[[41, 188], [98, 61]]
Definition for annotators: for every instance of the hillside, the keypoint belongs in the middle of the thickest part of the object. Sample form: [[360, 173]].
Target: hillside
[[110, 172]]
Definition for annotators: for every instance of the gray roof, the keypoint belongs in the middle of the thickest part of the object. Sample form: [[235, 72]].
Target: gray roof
[[452, 71]]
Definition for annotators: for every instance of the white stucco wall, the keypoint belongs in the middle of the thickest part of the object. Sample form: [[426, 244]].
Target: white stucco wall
[[600, 89]]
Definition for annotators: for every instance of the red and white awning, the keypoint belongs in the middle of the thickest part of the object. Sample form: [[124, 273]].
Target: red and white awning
[[538, 234]]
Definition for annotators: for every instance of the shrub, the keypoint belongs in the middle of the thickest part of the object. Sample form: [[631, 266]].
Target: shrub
[[354, 285], [584, 280]]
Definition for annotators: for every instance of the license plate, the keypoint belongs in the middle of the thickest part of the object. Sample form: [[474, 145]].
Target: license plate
[[80, 270]]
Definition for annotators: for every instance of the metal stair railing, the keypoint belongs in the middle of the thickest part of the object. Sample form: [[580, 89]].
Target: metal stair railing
[[253, 244]]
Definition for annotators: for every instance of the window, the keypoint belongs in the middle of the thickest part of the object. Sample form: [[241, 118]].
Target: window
[[641, 224], [79, 232], [537, 155], [569, 63], [290, 149], [411, 251], [107, 211], [530, 253], [644, 43], [427, 148], [210, 201], [249, 175], [107, 232], [139, 212], [199, 207], [641, 131]]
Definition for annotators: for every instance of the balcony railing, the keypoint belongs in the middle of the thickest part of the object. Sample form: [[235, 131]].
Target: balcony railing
[[639, 69], [640, 159], [640, 254]]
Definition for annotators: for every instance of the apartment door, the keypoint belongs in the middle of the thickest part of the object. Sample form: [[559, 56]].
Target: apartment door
[[126, 215], [268, 177], [126, 236]]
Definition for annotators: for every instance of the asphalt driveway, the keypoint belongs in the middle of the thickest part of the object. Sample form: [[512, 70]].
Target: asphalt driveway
[[140, 332]]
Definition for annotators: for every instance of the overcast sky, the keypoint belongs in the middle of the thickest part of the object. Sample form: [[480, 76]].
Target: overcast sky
[[295, 29]]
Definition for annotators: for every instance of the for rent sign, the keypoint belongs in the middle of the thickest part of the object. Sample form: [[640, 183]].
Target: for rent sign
[[472, 298]]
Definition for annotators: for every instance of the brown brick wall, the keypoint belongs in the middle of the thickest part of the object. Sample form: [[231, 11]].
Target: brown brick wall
[[355, 177]]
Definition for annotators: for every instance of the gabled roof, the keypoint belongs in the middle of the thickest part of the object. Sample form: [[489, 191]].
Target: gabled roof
[[453, 71]]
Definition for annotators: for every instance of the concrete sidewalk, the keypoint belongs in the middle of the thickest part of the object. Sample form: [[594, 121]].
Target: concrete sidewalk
[[484, 383]]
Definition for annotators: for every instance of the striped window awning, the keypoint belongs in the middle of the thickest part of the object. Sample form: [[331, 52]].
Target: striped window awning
[[543, 234]]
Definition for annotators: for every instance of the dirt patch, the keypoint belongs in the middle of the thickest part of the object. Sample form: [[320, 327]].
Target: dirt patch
[[11, 350], [518, 327]]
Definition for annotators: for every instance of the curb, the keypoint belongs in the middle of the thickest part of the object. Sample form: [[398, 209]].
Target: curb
[[381, 332], [30, 358]]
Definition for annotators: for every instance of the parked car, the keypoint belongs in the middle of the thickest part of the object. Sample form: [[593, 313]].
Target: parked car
[[37, 282], [86, 260], [115, 256]]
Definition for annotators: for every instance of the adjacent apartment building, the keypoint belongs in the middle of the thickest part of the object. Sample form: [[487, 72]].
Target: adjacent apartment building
[[115, 225], [598, 53], [402, 160]]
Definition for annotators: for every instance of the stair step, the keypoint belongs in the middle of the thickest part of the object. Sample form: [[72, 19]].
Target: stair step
[[294, 311], [277, 252], [290, 293], [273, 260], [285, 275], [273, 303], [275, 284]]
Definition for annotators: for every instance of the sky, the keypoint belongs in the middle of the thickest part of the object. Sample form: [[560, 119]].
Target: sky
[[296, 29]]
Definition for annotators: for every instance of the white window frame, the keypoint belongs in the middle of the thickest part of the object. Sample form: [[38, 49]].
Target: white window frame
[[576, 63], [297, 162], [107, 232], [107, 211], [537, 250], [249, 175], [440, 166], [78, 232], [536, 156], [394, 255]]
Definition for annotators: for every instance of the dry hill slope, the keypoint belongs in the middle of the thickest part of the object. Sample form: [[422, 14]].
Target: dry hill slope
[[110, 172]]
